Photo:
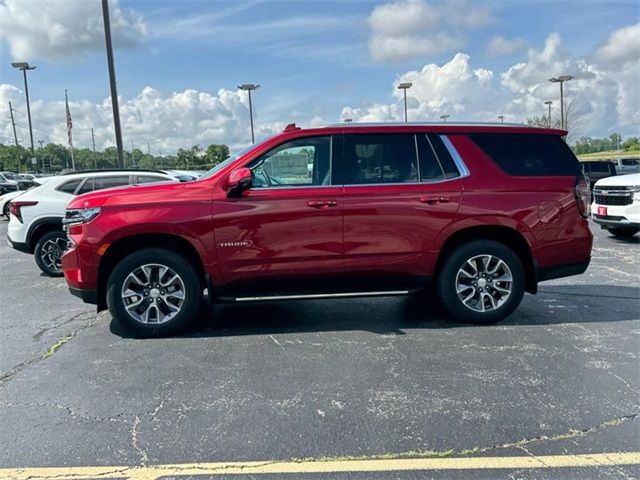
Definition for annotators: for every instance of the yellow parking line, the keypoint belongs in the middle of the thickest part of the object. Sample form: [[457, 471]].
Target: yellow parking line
[[328, 466]]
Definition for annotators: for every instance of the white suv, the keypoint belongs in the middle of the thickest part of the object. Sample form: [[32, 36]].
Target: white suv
[[35, 220], [616, 204]]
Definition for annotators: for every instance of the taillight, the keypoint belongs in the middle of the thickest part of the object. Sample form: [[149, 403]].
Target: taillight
[[16, 206], [583, 195]]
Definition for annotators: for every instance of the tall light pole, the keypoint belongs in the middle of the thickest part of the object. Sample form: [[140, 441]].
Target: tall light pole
[[112, 82], [561, 79], [444, 117], [548, 104], [248, 87], [501, 118], [404, 87], [24, 66]]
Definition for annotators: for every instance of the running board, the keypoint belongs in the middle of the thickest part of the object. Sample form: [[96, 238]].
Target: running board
[[320, 295]]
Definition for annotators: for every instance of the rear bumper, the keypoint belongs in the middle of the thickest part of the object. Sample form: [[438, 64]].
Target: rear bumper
[[87, 296], [559, 271], [20, 246], [614, 222]]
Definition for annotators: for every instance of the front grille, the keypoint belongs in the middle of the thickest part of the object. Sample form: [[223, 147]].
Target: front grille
[[613, 199]]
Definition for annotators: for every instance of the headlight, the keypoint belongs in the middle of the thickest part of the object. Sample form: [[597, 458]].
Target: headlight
[[80, 215]]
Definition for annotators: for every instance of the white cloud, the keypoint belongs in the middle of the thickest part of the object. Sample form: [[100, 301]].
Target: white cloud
[[61, 30], [621, 47], [604, 95], [499, 45], [166, 121], [407, 29]]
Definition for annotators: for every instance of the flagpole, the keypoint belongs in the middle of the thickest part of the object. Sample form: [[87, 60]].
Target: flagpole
[[69, 127]]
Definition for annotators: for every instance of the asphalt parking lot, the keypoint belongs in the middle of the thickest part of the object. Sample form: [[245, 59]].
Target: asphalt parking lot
[[351, 388]]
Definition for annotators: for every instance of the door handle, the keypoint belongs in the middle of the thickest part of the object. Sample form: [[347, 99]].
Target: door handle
[[322, 203], [434, 200]]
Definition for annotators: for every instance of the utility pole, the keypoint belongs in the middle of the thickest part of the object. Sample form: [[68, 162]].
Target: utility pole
[[133, 158], [93, 142], [148, 149], [112, 81], [15, 136]]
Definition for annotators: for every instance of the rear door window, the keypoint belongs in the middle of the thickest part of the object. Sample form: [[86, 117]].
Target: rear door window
[[149, 179], [100, 183], [70, 186], [384, 158], [528, 154]]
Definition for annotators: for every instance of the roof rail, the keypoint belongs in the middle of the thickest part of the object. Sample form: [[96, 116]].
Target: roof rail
[[425, 124], [107, 170]]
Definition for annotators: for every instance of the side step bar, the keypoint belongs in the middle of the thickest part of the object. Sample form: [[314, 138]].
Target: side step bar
[[317, 296]]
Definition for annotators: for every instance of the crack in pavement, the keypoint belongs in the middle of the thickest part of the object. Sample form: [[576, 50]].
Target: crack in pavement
[[5, 377], [39, 335], [134, 442], [120, 417]]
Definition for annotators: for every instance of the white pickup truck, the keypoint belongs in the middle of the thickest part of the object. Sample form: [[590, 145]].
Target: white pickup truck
[[616, 204]]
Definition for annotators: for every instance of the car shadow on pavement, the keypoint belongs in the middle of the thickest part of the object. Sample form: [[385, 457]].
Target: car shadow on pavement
[[624, 240], [555, 304]]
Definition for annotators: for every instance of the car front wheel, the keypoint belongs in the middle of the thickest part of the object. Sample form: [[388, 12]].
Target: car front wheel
[[154, 292], [481, 282], [48, 252]]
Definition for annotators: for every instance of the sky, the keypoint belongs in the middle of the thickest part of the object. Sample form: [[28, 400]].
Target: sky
[[178, 64]]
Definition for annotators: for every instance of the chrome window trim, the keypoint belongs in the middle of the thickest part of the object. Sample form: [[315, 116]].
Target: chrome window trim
[[401, 183], [457, 159], [415, 143]]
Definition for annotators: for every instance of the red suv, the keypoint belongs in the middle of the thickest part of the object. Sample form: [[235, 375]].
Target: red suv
[[482, 212]]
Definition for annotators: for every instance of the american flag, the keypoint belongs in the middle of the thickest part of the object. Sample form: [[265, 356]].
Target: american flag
[[69, 122]]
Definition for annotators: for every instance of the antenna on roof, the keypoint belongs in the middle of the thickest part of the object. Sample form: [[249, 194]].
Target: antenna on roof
[[291, 126]]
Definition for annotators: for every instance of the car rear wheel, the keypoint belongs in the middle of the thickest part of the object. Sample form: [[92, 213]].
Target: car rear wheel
[[5, 210], [154, 292], [623, 232], [48, 252], [481, 282]]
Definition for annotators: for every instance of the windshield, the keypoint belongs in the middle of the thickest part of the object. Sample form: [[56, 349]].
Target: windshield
[[10, 176], [232, 158]]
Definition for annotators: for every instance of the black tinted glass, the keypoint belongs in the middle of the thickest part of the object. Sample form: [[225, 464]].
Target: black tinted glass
[[528, 155], [602, 167], [430, 168], [70, 186], [448, 165], [86, 187], [109, 182], [380, 159], [150, 179]]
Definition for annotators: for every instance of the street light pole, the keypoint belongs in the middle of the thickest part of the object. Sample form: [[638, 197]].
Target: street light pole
[[501, 117], [24, 66], [112, 82], [548, 104], [561, 79], [444, 117], [404, 87], [248, 87]]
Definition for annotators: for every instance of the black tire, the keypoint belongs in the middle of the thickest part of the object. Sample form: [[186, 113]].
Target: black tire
[[5, 210], [448, 280], [623, 232], [48, 252], [151, 257]]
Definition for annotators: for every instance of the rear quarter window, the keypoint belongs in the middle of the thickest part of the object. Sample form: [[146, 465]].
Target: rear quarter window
[[529, 154]]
